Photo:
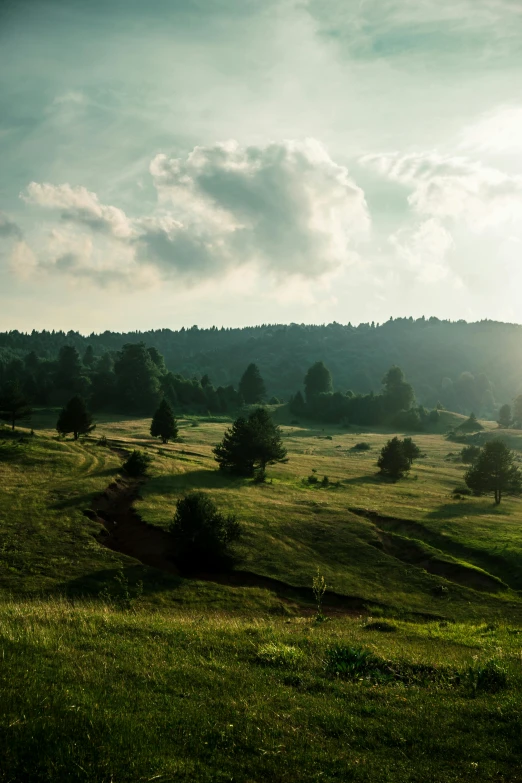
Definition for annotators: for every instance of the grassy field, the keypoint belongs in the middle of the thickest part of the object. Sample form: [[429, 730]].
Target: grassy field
[[114, 671]]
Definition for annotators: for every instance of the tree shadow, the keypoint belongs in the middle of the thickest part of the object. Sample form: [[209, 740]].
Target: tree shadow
[[459, 509], [368, 479], [193, 480], [108, 582]]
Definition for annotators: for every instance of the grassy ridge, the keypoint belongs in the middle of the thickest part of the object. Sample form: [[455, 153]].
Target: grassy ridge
[[90, 693]]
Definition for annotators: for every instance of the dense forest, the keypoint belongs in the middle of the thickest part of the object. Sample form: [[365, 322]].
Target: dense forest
[[463, 366]]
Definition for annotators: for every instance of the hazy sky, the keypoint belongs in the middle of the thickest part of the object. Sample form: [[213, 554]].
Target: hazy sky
[[230, 162]]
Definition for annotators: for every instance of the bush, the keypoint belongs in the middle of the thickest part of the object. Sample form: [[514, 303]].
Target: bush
[[362, 446], [137, 464], [325, 481], [201, 534], [103, 441], [469, 454], [312, 479], [462, 490]]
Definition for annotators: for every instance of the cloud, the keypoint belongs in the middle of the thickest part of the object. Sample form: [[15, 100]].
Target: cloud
[[79, 205], [287, 208], [424, 248], [8, 228], [454, 188], [436, 32]]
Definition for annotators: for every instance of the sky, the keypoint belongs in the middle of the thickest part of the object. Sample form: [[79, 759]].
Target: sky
[[236, 162]]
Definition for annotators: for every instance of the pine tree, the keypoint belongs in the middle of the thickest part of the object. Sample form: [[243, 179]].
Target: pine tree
[[75, 418], [393, 461], [252, 386], [398, 394], [504, 417], [250, 444], [164, 424], [318, 380], [494, 471], [517, 410], [14, 404], [410, 449]]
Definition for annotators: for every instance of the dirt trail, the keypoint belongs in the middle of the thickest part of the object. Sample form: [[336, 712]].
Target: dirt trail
[[127, 533]]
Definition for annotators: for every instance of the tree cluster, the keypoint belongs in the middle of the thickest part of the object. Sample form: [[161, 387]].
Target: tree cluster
[[397, 456]]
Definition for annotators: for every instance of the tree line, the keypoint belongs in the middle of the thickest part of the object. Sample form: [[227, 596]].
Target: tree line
[[461, 365]]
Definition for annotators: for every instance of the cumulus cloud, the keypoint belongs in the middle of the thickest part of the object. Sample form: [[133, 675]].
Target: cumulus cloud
[[287, 208], [79, 205], [454, 188]]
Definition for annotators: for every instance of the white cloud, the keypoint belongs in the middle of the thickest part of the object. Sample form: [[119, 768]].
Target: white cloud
[[454, 188], [79, 205], [285, 208], [425, 248]]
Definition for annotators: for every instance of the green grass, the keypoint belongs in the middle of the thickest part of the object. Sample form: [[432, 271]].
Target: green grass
[[199, 681], [90, 693]]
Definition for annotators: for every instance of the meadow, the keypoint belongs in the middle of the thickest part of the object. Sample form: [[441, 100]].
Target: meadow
[[113, 670]]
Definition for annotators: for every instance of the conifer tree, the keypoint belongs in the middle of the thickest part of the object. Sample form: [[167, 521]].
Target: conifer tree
[[250, 444], [410, 449], [75, 418], [494, 471], [393, 461], [252, 386], [318, 380], [14, 404], [164, 424]]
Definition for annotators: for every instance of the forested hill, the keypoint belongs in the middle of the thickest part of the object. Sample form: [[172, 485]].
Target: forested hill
[[465, 366]]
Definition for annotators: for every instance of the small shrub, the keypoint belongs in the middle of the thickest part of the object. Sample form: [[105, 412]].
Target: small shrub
[[325, 481], [137, 464], [319, 589], [328, 437], [284, 655], [201, 534], [312, 479], [103, 442], [462, 490], [274, 401], [362, 446]]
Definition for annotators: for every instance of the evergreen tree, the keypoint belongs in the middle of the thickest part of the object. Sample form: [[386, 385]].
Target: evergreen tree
[[137, 379], [504, 417], [164, 424], [250, 444], [75, 418], [494, 471], [201, 534], [517, 410], [252, 386], [393, 461], [410, 449], [14, 405], [318, 380], [398, 394], [472, 424]]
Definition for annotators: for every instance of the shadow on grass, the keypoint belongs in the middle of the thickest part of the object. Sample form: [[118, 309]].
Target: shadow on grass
[[192, 480], [459, 509], [92, 585]]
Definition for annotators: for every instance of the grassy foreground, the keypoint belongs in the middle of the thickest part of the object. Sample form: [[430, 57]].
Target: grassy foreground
[[92, 693], [111, 671]]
